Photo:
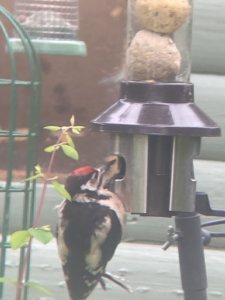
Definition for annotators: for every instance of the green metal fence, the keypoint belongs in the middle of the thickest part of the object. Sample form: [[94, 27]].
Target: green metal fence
[[16, 86]]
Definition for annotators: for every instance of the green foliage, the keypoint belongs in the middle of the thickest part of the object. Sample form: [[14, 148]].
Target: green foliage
[[52, 128], [40, 288], [30, 284], [73, 128], [69, 140], [37, 169], [19, 239], [77, 129], [51, 148], [8, 280], [22, 237], [37, 174], [61, 190], [66, 144], [70, 152], [72, 121], [43, 234]]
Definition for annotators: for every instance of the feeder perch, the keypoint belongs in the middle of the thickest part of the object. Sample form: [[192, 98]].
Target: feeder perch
[[53, 26]]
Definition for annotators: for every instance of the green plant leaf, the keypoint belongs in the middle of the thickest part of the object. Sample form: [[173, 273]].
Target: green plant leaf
[[72, 120], [42, 234], [19, 239], [77, 129], [34, 177], [53, 178], [40, 288], [37, 174], [61, 190], [52, 128], [65, 128], [46, 227], [51, 148], [37, 168], [70, 152], [70, 141], [8, 280]]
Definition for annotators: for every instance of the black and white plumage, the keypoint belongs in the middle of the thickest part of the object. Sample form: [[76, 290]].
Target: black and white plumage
[[90, 227]]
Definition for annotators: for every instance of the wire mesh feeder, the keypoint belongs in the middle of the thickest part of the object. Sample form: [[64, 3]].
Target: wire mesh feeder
[[20, 87], [53, 25]]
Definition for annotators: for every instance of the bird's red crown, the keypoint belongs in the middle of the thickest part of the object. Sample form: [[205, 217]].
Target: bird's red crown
[[83, 171]]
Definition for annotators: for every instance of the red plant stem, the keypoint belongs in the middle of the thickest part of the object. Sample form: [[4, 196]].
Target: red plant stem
[[45, 184], [19, 285]]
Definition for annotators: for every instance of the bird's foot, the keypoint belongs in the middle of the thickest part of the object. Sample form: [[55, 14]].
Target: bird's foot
[[103, 284], [116, 281]]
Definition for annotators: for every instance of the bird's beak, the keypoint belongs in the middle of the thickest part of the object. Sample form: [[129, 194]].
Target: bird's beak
[[113, 168]]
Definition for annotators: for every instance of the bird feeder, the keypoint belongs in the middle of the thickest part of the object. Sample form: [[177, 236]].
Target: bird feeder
[[156, 126], [53, 26]]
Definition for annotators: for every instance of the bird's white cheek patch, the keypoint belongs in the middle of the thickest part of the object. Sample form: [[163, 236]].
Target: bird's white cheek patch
[[116, 205], [94, 256]]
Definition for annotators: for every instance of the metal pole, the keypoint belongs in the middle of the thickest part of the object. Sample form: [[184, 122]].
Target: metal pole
[[191, 256]]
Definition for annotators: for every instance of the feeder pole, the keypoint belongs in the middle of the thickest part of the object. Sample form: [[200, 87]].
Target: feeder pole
[[191, 256]]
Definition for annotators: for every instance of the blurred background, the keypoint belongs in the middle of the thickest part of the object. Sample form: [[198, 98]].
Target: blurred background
[[83, 86], [86, 86]]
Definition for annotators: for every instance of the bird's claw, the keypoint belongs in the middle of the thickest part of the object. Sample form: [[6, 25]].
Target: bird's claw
[[116, 281]]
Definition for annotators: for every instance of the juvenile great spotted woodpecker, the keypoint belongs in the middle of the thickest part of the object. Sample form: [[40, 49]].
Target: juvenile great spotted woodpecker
[[90, 227]]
